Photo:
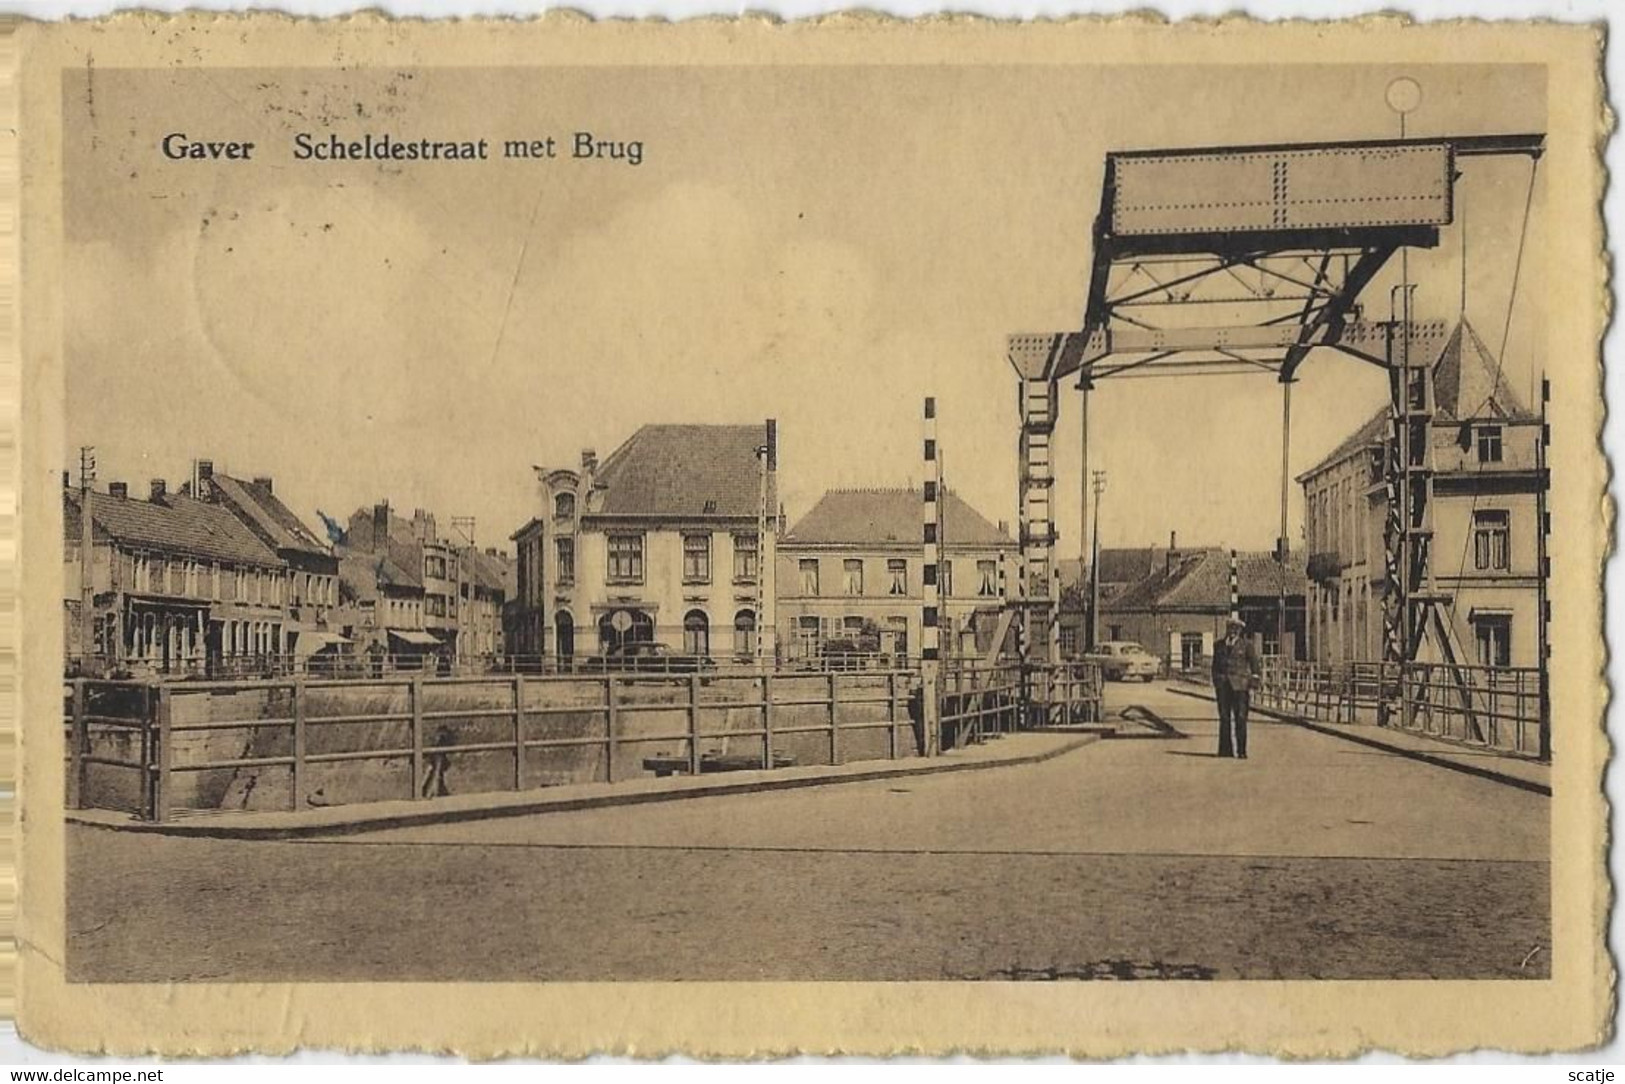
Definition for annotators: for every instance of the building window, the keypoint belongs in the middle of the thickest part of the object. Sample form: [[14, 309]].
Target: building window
[[898, 627], [809, 576], [852, 629], [1491, 540], [744, 633], [434, 566], [696, 633], [897, 572], [1190, 650], [807, 635], [1493, 632], [745, 550], [567, 561], [696, 558], [564, 506], [987, 578], [1069, 640], [945, 576], [1489, 444], [625, 558], [852, 574]]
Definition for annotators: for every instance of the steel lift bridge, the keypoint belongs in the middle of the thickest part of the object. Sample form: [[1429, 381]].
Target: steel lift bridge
[[1234, 260]]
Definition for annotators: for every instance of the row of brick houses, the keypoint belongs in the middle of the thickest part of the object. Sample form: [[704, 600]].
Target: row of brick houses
[[220, 576], [408, 593], [216, 575]]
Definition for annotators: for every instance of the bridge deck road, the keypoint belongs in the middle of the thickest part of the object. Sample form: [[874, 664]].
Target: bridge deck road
[[1141, 858]]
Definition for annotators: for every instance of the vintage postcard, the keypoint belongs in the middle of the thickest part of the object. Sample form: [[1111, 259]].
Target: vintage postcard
[[743, 538]]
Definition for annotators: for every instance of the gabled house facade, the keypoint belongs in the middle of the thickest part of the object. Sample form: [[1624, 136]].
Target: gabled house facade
[[384, 607], [1487, 491], [662, 541], [852, 568], [312, 568]]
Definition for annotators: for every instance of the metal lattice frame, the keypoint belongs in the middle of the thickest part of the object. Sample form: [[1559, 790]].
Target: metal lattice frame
[[1242, 260]]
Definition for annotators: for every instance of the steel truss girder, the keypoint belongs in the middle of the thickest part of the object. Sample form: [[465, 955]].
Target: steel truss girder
[[1054, 356]]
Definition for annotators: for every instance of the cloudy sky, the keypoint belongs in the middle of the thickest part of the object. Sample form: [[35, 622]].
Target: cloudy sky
[[821, 245]]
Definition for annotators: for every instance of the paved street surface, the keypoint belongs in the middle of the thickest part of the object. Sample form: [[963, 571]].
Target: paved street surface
[[1146, 858]]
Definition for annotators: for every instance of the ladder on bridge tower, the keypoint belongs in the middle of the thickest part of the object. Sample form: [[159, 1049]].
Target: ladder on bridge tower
[[1414, 609], [1038, 608]]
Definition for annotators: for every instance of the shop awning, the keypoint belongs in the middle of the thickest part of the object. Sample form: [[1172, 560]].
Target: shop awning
[[311, 642], [411, 636]]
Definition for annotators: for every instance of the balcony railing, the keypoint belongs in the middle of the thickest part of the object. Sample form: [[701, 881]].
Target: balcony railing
[[1325, 566]]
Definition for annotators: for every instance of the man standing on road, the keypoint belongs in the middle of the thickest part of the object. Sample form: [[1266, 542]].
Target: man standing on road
[[1236, 666]]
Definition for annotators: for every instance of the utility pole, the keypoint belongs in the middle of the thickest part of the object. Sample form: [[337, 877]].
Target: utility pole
[[87, 561], [1099, 480], [762, 452], [464, 525], [1085, 386]]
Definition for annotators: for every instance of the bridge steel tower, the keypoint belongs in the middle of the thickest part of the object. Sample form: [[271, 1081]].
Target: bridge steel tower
[[1242, 260]]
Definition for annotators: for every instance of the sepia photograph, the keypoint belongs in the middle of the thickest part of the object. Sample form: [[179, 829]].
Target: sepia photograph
[[971, 521]]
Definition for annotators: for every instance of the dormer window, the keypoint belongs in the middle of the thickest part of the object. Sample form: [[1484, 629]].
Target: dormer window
[[564, 506], [1489, 444]]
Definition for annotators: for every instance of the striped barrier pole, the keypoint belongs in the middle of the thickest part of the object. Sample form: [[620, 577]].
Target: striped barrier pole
[[930, 647]]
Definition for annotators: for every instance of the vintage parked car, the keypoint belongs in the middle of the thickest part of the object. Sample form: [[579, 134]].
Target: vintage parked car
[[1124, 660], [645, 657]]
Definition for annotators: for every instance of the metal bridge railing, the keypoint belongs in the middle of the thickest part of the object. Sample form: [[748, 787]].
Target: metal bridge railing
[[133, 746], [1495, 708], [977, 702]]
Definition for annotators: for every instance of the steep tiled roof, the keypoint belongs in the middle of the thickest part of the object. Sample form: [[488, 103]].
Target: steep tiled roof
[[881, 516], [402, 565], [491, 572], [1122, 565], [1200, 580], [358, 574], [685, 471], [179, 525], [364, 572], [1467, 386], [274, 520]]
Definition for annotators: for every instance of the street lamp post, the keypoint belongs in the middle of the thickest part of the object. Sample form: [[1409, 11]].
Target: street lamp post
[[1099, 478]]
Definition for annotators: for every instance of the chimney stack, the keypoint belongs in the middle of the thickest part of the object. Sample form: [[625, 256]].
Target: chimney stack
[[380, 526], [264, 482], [159, 490], [67, 480], [118, 489], [589, 459], [205, 470], [1173, 549], [772, 445]]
